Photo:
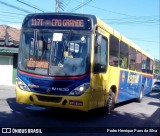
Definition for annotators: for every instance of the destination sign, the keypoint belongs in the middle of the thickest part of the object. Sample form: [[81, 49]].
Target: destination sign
[[37, 64], [57, 22]]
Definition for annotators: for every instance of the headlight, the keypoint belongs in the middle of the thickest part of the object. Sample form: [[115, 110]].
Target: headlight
[[22, 85], [80, 89]]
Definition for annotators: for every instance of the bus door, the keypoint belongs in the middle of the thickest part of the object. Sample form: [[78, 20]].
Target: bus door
[[99, 80]]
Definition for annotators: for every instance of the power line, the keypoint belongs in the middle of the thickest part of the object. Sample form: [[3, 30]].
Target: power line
[[10, 21], [80, 5], [12, 13], [109, 11], [149, 20], [30, 5], [10, 16], [137, 17], [15, 7], [59, 5], [66, 4], [135, 22]]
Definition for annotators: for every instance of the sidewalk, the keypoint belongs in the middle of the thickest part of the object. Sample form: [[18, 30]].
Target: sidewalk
[[7, 87], [7, 92]]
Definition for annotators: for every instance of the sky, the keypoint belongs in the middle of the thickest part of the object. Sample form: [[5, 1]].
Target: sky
[[138, 20]]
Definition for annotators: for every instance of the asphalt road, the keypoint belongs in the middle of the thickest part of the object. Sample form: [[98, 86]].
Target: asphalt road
[[133, 117]]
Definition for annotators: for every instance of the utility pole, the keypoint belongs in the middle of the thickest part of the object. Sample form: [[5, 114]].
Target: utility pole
[[57, 6]]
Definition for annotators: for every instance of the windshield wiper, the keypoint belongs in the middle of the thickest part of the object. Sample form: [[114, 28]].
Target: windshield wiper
[[35, 43]]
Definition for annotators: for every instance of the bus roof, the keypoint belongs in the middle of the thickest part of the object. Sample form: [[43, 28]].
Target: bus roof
[[112, 31]]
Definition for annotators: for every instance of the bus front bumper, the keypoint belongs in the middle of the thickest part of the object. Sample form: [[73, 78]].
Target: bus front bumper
[[68, 102]]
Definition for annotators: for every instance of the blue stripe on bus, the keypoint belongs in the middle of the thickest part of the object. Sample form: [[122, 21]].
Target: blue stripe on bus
[[130, 84], [56, 86]]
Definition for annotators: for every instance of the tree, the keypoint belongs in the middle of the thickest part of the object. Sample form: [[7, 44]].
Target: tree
[[157, 68]]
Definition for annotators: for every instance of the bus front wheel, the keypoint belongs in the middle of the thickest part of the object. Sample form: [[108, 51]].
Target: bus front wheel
[[110, 104]]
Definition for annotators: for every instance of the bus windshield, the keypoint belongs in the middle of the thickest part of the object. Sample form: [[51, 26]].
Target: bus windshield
[[54, 53]]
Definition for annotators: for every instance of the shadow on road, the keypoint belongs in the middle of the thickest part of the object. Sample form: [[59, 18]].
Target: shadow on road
[[22, 115], [13, 114], [154, 94]]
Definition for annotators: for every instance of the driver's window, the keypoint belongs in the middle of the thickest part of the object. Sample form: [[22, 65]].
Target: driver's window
[[100, 58]]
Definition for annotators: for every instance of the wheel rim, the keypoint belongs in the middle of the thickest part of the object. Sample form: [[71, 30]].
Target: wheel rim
[[110, 102], [140, 95]]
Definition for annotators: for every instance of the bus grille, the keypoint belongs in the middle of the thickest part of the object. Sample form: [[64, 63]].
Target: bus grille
[[49, 99]]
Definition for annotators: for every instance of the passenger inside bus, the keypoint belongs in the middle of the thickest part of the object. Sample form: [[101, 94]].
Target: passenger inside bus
[[43, 48], [46, 49], [113, 61], [124, 63], [132, 64]]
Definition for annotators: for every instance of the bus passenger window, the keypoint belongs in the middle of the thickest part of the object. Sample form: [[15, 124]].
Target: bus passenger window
[[148, 66], [144, 60], [151, 66], [114, 51], [123, 55], [132, 58], [138, 61]]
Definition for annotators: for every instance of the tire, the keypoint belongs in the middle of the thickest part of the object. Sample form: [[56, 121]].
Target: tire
[[140, 97], [110, 104]]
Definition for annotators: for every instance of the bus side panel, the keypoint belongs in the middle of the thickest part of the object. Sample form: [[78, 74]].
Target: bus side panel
[[130, 85], [147, 82], [113, 79], [124, 93]]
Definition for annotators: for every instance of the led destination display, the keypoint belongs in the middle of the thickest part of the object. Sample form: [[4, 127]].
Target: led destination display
[[57, 22]]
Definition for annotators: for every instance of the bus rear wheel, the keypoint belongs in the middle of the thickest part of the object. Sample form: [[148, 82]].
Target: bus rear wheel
[[110, 104], [140, 97]]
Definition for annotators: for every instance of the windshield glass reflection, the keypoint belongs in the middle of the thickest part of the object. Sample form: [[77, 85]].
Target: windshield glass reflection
[[58, 53]]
